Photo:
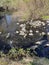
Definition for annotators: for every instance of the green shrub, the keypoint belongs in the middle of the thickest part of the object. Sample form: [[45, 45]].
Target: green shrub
[[12, 53], [21, 53], [45, 17], [16, 54]]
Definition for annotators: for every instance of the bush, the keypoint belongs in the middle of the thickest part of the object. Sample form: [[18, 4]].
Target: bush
[[12, 53], [21, 53], [16, 53]]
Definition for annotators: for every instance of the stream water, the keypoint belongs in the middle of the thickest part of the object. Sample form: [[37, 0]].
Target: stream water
[[8, 18]]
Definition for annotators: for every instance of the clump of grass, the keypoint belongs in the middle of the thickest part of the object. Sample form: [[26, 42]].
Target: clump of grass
[[21, 51], [16, 53], [12, 54], [45, 17], [3, 63]]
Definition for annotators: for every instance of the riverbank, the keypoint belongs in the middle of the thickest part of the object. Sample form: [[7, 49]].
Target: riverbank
[[25, 61], [26, 9]]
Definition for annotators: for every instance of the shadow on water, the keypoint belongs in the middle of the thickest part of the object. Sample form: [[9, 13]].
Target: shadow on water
[[4, 47]]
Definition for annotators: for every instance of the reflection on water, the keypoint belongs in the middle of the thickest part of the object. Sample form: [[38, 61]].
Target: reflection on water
[[11, 26], [8, 18]]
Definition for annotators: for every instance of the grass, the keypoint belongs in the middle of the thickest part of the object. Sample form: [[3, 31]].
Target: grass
[[4, 60], [45, 17]]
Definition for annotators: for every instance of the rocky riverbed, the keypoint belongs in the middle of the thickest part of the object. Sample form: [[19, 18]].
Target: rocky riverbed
[[29, 31], [32, 34]]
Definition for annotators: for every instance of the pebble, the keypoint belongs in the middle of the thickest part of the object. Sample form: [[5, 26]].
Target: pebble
[[47, 33], [44, 27], [11, 41], [38, 42], [34, 47], [37, 31], [25, 35], [47, 21], [23, 29], [30, 31], [36, 23], [47, 45], [17, 32], [21, 25], [43, 33], [30, 34], [43, 23], [8, 35], [22, 33], [17, 23]]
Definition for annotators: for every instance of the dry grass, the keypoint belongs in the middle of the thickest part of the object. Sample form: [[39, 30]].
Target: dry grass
[[29, 8], [4, 61]]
